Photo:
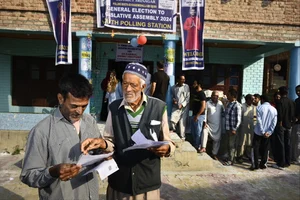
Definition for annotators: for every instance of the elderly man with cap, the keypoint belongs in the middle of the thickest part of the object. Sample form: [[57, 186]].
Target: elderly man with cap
[[138, 176]]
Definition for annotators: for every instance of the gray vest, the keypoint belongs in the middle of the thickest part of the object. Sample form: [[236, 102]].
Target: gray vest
[[139, 170]]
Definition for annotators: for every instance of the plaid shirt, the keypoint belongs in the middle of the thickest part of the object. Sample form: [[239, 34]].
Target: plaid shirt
[[233, 116]]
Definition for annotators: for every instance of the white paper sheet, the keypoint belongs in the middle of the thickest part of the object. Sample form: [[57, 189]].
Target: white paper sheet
[[141, 142], [153, 135], [86, 160], [105, 168], [155, 122]]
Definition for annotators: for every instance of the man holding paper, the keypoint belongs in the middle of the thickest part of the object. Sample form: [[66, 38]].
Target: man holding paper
[[53, 146], [136, 120]]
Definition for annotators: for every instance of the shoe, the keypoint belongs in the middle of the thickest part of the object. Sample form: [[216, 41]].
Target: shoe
[[215, 157], [277, 167], [263, 166], [295, 162], [183, 138], [239, 160], [202, 150], [252, 168], [226, 163]]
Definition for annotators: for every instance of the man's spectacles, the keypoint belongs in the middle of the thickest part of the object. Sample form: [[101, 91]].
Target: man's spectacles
[[132, 85]]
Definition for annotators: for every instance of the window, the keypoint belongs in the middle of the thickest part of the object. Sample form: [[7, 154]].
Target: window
[[234, 76], [35, 80], [220, 71]]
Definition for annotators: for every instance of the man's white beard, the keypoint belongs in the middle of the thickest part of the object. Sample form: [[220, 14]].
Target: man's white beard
[[132, 101]]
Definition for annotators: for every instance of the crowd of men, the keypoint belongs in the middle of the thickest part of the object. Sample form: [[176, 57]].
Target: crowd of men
[[254, 130], [56, 143]]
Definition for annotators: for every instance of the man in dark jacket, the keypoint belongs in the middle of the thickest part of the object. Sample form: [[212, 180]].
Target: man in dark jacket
[[286, 117], [296, 130], [160, 82], [138, 176]]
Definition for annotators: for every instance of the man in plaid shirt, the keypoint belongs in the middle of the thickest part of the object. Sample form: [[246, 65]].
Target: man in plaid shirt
[[233, 117]]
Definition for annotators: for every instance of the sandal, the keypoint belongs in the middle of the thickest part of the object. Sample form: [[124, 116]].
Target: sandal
[[226, 163]]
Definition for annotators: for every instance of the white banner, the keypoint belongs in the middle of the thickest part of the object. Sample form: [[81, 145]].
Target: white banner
[[128, 53], [149, 15]]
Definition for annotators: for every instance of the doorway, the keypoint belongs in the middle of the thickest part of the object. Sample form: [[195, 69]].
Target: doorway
[[216, 77]]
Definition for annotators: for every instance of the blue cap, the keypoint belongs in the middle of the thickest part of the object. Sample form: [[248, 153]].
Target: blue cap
[[136, 69]]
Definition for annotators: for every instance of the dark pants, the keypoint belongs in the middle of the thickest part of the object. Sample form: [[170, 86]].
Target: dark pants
[[260, 146], [273, 147], [283, 146]]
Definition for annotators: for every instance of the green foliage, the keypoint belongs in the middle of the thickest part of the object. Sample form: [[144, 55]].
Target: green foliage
[[17, 150]]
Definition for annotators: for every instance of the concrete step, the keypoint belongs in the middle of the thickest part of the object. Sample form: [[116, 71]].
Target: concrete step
[[182, 161], [186, 157]]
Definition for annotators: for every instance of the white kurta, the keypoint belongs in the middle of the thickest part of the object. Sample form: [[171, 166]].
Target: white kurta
[[247, 125], [213, 119]]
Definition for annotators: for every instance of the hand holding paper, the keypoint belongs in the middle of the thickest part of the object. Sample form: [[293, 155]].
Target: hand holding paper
[[86, 160], [141, 142], [105, 168]]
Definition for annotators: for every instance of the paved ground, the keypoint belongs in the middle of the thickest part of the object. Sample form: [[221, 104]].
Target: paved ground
[[220, 182]]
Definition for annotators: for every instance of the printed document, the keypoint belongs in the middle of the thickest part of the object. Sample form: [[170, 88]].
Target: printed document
[[86, 160], [105, 168], [141, 142]]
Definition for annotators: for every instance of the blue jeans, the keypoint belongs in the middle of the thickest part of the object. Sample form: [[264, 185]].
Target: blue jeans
[[196, 129]]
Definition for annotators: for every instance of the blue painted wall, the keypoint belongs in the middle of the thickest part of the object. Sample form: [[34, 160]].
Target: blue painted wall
[[21, 47], [253, 78], [252, 66]]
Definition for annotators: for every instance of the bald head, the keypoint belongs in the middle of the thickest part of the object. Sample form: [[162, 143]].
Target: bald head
[[215, 96]]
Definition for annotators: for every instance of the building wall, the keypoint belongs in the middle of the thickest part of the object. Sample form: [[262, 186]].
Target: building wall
[[107, 51], [22, 47], [253, 77], [45, 48], [252, 21], [104, 52], [5, 80], [249, 20]]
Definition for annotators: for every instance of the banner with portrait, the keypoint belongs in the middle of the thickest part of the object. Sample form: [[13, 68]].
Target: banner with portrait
[[60, 14], [150, 15], [192, 23]]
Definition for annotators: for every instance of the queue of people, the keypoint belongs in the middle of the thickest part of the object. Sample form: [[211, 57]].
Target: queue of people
[[56, 143]]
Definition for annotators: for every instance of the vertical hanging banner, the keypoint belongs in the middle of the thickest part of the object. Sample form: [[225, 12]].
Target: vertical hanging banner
[[192, 22], [101, 9], [150, 15], [60, 14], [85, 47]]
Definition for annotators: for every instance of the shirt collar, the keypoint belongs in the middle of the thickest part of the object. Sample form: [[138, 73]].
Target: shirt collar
[[233, 102], [58, 116], [126, 105]]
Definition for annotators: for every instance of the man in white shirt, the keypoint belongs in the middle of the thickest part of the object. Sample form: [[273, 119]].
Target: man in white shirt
[[180, 108], [213, 123], [245, 135], [264, 128]]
